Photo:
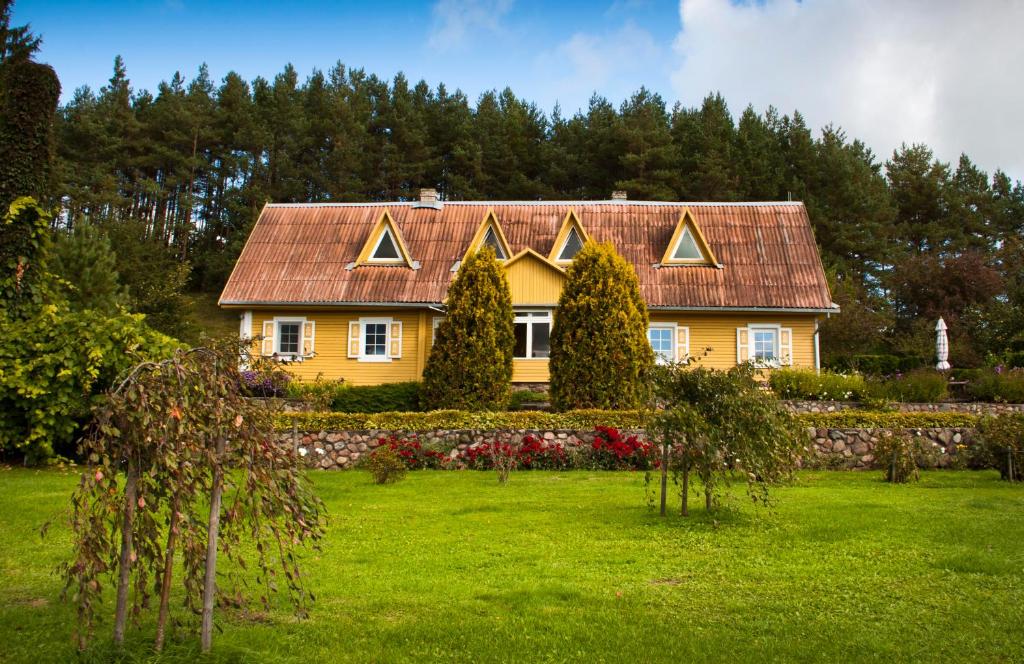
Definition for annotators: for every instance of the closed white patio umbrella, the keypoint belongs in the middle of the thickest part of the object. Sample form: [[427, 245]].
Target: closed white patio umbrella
[[942, 346]]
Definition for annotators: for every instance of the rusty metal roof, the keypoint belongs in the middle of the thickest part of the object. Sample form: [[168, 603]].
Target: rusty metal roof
[[304, 253]]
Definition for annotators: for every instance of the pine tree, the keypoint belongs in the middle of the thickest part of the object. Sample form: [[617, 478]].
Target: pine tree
[[470, 364], [600, 356], [650, 161], [87, 266]]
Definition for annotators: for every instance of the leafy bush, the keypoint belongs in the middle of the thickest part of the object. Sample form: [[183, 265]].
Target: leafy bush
[[320, 393], [896, 454], [921, 386], [470, 363], [1000, 444], [385, 465], [610, 451], [461, 419], [866, 419], [414, 454], [265, 379], [998, 385], [809, 384], [1015, 360], [600, 356], [875, 365], [388, 397], [521, 397]]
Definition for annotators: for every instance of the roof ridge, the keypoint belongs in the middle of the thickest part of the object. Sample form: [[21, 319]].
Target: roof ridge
[[608, 202]]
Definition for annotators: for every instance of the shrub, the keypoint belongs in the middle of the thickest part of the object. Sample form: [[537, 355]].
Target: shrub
[[388, 397], [998, 385], [320, 393], [1015, 360], [532, 453], [1000, 444], [461, 419], [809, 384], [896, 454], [865, 419], [521, 397], [875, 365], [413, 454], [470, 363], [610, 451], [921, 386], [600, 356], [385, 465], [265, 378]]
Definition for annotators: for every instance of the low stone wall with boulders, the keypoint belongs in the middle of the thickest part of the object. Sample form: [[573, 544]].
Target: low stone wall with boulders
[[807, 406], [849, 448]]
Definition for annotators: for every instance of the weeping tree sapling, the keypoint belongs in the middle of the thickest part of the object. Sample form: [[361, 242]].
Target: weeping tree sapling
[[721, 426], [184, 436]]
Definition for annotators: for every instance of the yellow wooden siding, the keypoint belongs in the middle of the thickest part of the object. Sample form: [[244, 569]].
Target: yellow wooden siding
[[331, 344], [707, 330], [718, 332], [533, 282]]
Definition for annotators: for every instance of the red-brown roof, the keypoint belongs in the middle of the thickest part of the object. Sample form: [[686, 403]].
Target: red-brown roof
[[303, 253]]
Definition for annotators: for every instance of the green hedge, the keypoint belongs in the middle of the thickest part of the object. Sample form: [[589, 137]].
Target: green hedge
[[866, 419], [389, 397], [461, 419]]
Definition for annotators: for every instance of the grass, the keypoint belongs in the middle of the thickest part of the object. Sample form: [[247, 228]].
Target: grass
[[211, 319], [574, 567]]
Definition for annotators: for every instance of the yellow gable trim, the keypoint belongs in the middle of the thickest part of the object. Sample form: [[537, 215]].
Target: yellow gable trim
[[530, 253], [686, 220], [490, 221], [571, 221], [534, 280], [385, 223]]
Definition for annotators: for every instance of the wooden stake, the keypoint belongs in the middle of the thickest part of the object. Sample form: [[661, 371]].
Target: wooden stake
[[165, 584], [209, 582], [124, 563], [664, 475]]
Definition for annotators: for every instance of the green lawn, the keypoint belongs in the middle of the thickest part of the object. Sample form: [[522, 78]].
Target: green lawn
[[574, 567]]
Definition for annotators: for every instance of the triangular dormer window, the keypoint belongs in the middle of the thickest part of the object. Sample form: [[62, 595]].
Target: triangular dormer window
[[384, 245], [570, 239], [688, 246], [491, 240], [489, 234]]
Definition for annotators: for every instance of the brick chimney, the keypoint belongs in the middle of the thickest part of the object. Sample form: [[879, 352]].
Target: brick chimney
[[428, 199], [619, 195]]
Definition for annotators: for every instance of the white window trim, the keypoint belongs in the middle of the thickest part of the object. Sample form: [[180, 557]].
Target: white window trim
[[565, 242], [531, 316], [777, 361], [675, 340], [278, 321], [497, 240], [386, 322], [386, 261], [433, 330]]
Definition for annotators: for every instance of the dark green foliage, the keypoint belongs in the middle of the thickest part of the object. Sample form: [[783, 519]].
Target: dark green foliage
[[920, 386], [1006, 386], [521, 397], [17, 43], [1000, 444], [820, 386], [389, 397], [470, 363], [29, 92], [600, 356], [86, 264], [25, 283]]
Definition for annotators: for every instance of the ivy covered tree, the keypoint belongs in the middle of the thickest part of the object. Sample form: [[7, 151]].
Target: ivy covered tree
[[600, 356], [470, 364]]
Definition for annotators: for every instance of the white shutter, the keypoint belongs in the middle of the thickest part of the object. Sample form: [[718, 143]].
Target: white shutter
[[353, 338], [786, 346], [395, 347], [682, 343], [742, 345], [308, 334], [268, 337]]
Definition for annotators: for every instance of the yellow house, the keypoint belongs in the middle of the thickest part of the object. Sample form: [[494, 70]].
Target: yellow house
[[356, 290]]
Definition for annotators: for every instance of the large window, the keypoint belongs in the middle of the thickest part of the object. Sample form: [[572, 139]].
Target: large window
[[533, 335], [289, 337], [663, 342], [765, 345], [375, 339]]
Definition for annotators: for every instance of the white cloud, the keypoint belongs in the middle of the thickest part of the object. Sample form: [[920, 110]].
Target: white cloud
[[614, 63], [456, 20], [945, 73]]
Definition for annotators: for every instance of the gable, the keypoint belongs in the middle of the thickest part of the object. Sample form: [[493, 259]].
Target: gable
[[384, 245], [533, 280], [570, 239], [489, 234], [687, 245]]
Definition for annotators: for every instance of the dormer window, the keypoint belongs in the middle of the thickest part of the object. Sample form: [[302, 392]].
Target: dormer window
[[570, 239], [491, 240], [688, 246], [384, 246], [489, 234]]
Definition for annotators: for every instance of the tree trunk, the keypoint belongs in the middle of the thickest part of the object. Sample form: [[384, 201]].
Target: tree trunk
[[707, 497], [209, 583], [664, 475], [685, 508], [124, 564], [165, 584]]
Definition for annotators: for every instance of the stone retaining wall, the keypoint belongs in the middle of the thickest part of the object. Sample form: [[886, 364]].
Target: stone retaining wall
[[806, 406], [850, 448]]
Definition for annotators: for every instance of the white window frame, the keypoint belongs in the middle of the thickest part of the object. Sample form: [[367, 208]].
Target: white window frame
[[376, 245], [282, 320], [386, 322], [533, 316], [433, 330], [752, 329], [497, 240], [565, 243], [674, 343]]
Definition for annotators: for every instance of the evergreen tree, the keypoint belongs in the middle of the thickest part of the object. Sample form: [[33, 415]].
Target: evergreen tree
[[650, 162], [87, 266], [17, 43], [705, 139], [600, 356], [758, 161], [470, 364]]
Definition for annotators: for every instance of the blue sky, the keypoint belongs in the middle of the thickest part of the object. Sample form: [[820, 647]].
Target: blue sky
[[941, 72]]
